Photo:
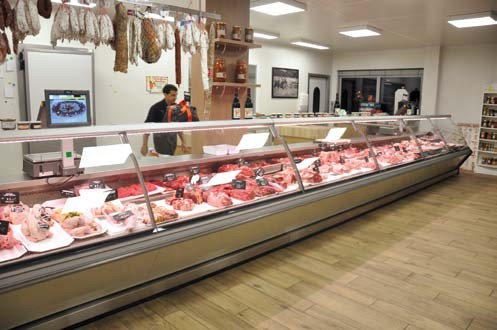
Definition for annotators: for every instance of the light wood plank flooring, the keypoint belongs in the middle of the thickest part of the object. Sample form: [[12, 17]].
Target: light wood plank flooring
[[428, 261]]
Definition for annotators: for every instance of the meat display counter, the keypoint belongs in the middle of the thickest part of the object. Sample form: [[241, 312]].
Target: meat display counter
[[76, 247]]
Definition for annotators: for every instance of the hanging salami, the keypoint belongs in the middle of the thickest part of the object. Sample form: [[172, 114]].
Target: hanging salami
[[177, 56], [121, 39]]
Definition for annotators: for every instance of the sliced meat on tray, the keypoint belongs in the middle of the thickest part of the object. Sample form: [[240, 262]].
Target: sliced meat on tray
[[182, 204]]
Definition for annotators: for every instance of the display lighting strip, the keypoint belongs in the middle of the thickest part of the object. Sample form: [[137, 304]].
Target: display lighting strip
[[310, 44], [473, 20], [266, 35], [278, 8], [76, 3], [360, 31], [160, 17]]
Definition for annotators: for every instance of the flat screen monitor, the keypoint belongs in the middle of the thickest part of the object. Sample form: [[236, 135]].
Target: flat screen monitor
[[68, 108]]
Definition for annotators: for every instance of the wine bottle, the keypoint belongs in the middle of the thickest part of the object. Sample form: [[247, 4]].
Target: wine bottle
[[235, 107], [249, 108], [337, 104]]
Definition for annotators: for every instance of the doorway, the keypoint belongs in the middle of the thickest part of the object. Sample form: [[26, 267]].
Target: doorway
[[319, 93]]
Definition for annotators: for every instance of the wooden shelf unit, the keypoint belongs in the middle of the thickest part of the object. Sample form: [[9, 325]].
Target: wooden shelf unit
[[237, 85], [236, 43], [480, 154]]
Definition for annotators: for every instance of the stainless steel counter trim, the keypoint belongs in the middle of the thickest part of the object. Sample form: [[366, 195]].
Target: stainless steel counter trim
[[26, 275]]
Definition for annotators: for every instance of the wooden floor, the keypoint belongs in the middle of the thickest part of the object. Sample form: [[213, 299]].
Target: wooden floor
[[428, 261]]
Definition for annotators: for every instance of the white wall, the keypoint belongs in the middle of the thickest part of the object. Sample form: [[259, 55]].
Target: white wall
[[306, 61], [465, 71], [427, 58]]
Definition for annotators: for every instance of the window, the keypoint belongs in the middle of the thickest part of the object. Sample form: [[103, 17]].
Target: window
[[378, 86]]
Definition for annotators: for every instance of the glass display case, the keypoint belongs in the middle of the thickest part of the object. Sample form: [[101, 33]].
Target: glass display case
[[118, 203]]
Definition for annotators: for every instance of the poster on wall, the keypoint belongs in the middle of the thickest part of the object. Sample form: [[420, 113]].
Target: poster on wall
[[285, 83], [155, 84]]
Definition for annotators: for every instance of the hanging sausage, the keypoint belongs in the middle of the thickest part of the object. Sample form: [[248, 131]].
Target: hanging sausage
[[121, 39], [151, 50], [177, 56]]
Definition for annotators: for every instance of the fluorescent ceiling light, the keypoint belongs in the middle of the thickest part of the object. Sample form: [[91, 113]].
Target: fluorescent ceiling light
[[278, 8], [159, 17], [360, 31], [472, 20], [76, 3], [310, 44], [266, 35]]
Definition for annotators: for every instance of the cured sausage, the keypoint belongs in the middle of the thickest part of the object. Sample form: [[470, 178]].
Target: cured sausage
[[121, 39], [177, 56], [151, 50]]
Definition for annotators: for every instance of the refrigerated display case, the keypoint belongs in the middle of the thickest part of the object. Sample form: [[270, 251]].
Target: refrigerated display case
[[174, 219]]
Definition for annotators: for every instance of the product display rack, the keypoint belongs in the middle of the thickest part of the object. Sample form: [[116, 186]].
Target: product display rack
[[383, 160], [486, 161]]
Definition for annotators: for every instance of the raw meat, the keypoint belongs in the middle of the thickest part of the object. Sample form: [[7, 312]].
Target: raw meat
[[246, 173], [285, 177], [140, 211], [78, 225], [217, 199], [182, 204], [228, 168], [106, 209], [309, 175], [8, 241], [35, 229], [16, 214], [121, 38], [195, 195], [178, 183], [242, 194], [134, 190], [163, 214]]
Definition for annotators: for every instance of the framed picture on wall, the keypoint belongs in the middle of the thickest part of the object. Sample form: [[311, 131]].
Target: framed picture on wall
[[285, 83]]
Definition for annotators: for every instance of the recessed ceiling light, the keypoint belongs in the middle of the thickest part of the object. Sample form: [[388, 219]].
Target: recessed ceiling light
[[310, 44], [76, 3], [472, 20], [360, 31], [277, 8], [266, 35]]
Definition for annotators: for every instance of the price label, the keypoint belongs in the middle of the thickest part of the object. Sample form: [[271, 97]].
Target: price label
[[112, 195], [405, 149], [189, 187], [179, 192], [43, 225], [397, 148], [239, 184], [9, 197], [297, 160], [340, 148], [261, 182], [67, 193], [122, 216], [342, 160], [4, 227], [333, 147], [169, 177], [317, 163], [17, 209], [204, 180], [259, 172], [322, 146], [241, 162], [195, 170], [316, 169], [97, 184], [45, 217], [195, 179], [366, 159], [379, 153]]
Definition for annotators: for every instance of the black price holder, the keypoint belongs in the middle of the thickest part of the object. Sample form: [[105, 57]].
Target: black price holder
[[204, 179], [366, 159], [397, 148], [194, 170], [4, 227], [67, 193], [262, 182], [259, 172], [404, 149], [112, 195], [239, 184], [97, 184], [316, 169], [9, 197], [122, 216], [241, 162], [342, 160], [317, 163], [179, 192], [168, 177], [297, 160]]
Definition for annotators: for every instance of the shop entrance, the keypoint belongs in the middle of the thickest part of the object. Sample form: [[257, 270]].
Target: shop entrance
[[319, 93]]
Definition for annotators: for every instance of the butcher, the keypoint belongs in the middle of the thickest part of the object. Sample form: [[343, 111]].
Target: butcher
[[165, 143]]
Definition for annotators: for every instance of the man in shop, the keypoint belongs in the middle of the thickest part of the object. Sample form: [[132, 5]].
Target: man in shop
[[163, 111]]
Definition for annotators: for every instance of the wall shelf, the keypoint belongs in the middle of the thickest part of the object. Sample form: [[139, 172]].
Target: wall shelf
[[486, 140], [235, 85], [489, 129], [489, 105], [486, 165], [236, 44], [488, 152], [490, 117]]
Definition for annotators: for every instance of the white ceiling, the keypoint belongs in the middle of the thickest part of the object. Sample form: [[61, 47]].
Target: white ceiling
[[405, 23]]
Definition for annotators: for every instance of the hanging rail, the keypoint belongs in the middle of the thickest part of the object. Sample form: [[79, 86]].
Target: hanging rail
[[166, 7]]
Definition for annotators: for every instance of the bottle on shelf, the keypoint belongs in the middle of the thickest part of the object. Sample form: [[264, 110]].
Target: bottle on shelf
[[337, 105], [235, 107], [249, 107]]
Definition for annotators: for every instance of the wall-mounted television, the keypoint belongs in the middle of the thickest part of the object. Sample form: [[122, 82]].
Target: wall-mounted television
[[68, 108]]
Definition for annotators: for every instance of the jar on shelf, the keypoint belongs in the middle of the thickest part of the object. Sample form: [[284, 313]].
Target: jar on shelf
[[221, 30], [219, 70], [236, 33], [241, 72], [249, 34]]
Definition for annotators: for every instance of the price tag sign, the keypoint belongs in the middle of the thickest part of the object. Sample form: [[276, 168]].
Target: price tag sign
[[379, 153], [4, 227], [97, 184], [111, 196], [397, 148], [259, 172], [340, 148], [316, 169], [261, 182], [169, 177], [195, 170], [17, 209], [9, 197], [179, 192], [239, 184], [204, 180], [189, 187], [122, 216], [43, 225], [366, 159], [317, 163], [405, 149], [322, 146], [67, 193], [342, 160], [333, 147], [241, 162], [297, 160]]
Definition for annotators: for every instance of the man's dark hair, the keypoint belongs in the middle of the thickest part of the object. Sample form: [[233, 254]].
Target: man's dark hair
[[168, 88]]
